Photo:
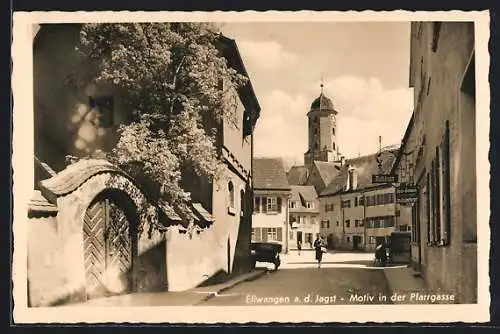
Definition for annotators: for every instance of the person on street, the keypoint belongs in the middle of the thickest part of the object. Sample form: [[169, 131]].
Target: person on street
[[318, 246], [299, 246], [380, 254]]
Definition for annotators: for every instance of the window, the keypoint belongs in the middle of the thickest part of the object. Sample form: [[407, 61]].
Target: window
[[256, 234], [247, 124], [272, 233], [372, 240], [348, 239], [337, 223], [242, 203], [439, 222], [346, 204], [292, 204], [310, 205], [103, 106], [361, 223], [355, 201], [347, 223], [220, 84], [333, 133], [436, 29], [291, 235], [325, 224], [356, 223], [361, 201], [256, 205], [333, 146], [329, 207], [230, 187], [271, 204]]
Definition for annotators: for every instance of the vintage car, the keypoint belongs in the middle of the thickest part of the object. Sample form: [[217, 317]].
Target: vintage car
[[266, 252]]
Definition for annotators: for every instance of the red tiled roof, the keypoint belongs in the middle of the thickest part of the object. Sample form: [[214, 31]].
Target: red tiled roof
[[327, 171], [70, 178], [269, 173], [297, 175], [39, 207], [308, 193]]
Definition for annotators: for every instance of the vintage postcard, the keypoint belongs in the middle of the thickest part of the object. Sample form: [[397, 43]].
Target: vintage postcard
[[234, 167]]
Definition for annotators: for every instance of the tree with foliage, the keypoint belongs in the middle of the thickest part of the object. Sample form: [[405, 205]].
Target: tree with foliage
[[170, 74]]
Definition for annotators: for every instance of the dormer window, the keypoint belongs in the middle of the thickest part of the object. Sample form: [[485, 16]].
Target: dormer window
[[352, 179]]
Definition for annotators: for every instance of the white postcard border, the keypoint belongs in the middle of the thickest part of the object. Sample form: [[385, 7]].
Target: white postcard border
[[22, 157]]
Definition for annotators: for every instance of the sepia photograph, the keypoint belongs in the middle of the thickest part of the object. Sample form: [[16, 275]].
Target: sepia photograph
[[275, 167]]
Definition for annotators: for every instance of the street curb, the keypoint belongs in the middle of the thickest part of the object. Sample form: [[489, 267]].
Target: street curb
[[232, 284], [391, 284]]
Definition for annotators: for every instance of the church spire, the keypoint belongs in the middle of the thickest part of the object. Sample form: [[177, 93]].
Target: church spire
[[321, 85]]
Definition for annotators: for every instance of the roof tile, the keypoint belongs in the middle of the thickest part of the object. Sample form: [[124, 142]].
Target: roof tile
[[269, 173]]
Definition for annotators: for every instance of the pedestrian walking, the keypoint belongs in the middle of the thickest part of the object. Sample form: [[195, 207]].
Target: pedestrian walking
[[318, 246], [299, 246]]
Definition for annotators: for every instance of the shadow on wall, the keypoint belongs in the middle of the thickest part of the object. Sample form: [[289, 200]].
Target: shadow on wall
[[148, 274], [151, 269], [219, 277]]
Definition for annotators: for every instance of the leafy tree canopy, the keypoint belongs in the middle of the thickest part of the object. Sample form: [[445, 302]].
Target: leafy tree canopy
[[170, 75]]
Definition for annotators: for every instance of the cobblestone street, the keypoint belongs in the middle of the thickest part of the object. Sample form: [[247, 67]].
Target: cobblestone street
[[344, 278]]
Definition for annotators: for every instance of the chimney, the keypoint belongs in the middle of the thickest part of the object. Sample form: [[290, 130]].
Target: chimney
[[340, 162]]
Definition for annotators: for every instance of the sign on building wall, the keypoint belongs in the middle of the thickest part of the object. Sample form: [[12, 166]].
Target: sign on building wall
[[384, 178], [406, 194]]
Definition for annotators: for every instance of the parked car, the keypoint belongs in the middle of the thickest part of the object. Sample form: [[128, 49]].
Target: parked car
[[266, 252]]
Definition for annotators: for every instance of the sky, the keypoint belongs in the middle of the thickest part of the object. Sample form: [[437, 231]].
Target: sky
[[365, 68]]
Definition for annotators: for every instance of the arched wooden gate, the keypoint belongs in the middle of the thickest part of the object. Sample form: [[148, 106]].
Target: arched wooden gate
[[110, 245]]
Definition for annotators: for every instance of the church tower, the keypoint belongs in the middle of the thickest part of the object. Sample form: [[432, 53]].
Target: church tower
[[322, 132]]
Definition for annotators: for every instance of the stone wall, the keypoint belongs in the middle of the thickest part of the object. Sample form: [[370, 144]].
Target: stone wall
[[439, 77], [220, 250], [56, 256]]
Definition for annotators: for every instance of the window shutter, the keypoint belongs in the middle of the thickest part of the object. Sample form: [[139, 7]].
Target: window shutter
[[279, 237], [257, 233], [432, 201], [264, 204], [428, 202], [438, 194], [264, 234], [278, 203], [446, 186]]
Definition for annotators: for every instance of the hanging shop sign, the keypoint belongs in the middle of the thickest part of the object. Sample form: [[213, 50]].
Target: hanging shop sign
[[384, 178]]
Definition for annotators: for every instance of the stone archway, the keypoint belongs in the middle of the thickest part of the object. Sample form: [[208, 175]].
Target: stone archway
[[76, 190], [110, 244]]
